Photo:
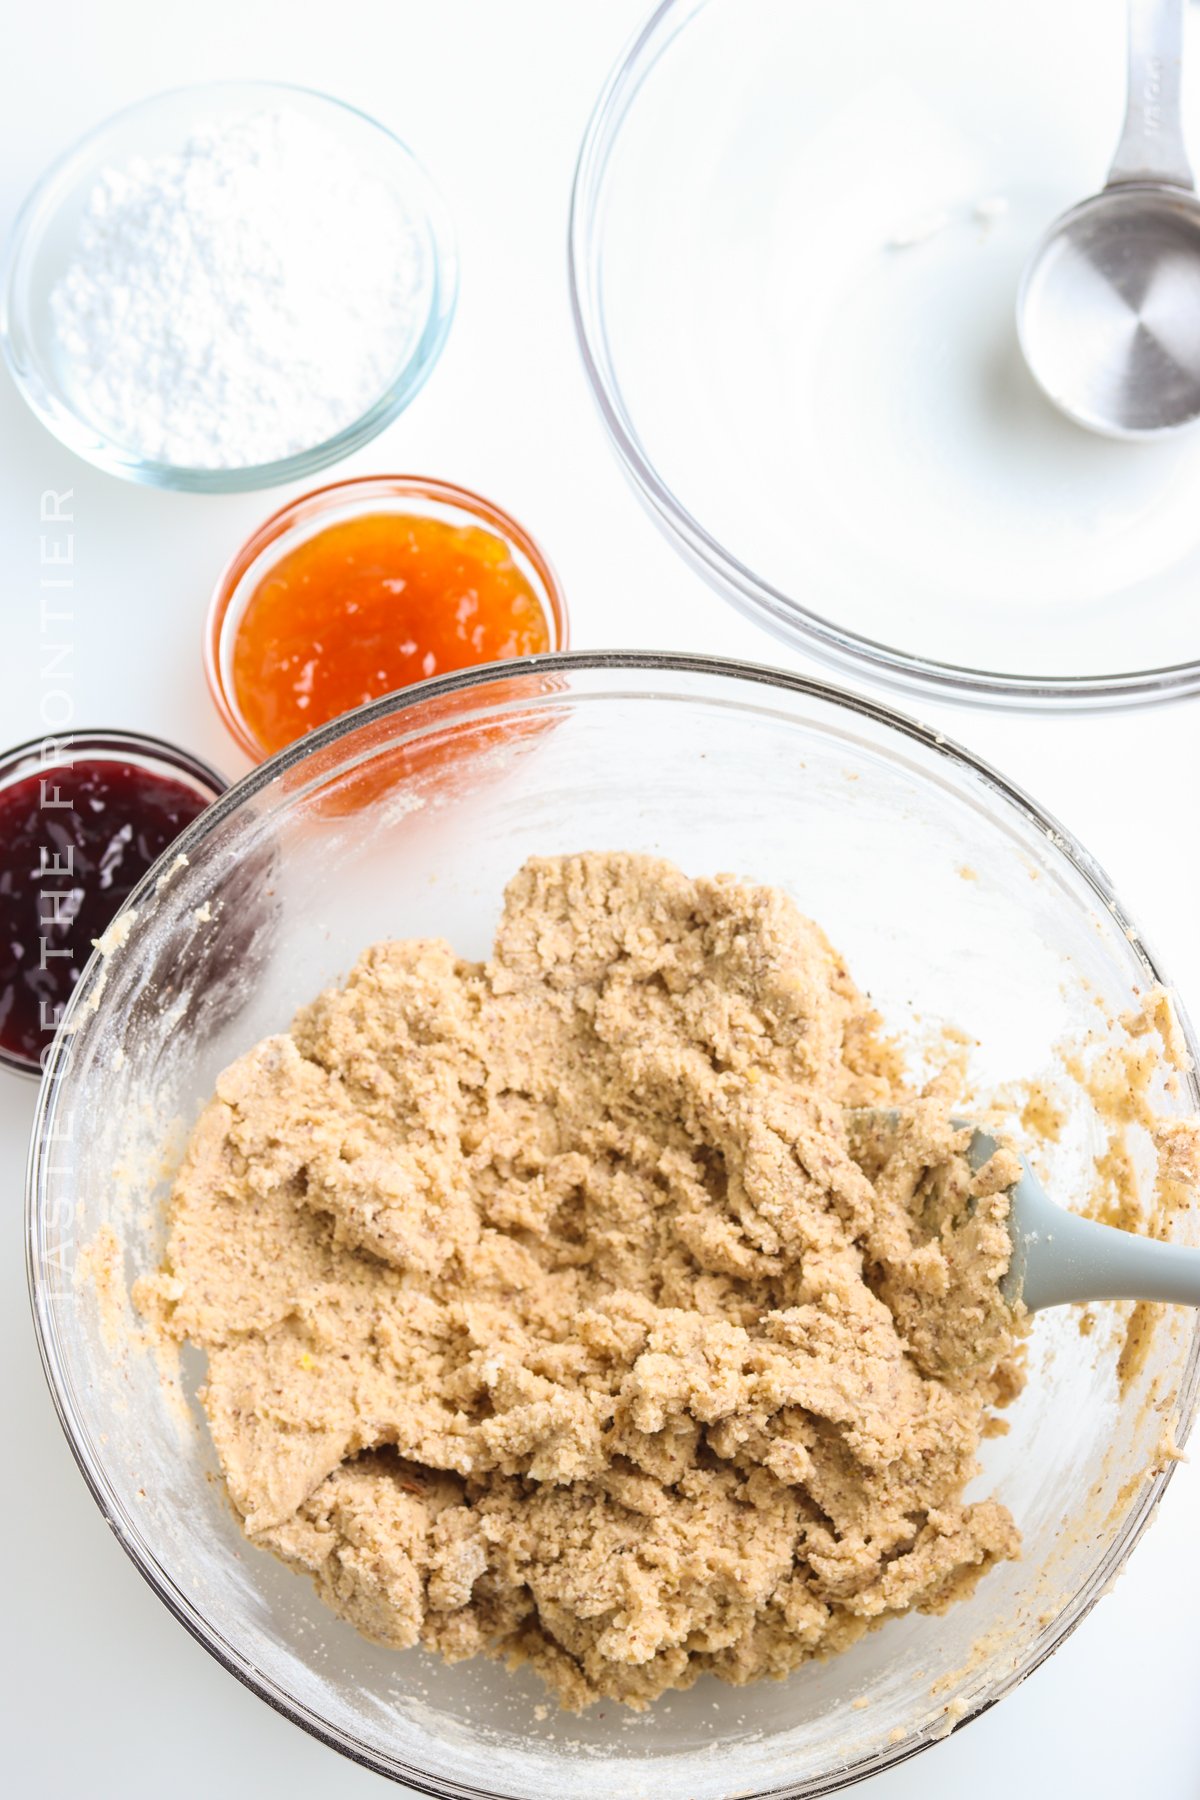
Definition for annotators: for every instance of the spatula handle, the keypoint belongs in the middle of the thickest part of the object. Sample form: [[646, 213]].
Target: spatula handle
[[1152, 145], [1060, 1257]]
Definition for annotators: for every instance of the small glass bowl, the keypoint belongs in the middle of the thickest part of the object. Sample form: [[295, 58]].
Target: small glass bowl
[[44, 237], [315, 512], [150, 753]]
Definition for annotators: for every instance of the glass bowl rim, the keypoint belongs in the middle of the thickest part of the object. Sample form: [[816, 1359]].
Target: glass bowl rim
[[98, 745], [1139, 1510], [89, 442], [847, 652], [221, 620]]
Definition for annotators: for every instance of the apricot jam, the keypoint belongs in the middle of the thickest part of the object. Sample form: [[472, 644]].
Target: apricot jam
[[371, 604]]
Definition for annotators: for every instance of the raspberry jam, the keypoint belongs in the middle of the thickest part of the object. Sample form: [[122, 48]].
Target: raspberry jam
[[75, 839]]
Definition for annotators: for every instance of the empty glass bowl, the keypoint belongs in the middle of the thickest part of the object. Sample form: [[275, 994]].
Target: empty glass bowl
[[45, 234], [797, 237], [953, 898]]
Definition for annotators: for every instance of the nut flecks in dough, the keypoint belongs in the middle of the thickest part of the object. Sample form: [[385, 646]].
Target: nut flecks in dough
[[556, 1309]]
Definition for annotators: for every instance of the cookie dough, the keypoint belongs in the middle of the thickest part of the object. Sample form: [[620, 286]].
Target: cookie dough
[[559, 1309]]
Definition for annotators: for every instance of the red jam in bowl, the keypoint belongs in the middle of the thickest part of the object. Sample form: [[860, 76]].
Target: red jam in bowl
[[75, 839]]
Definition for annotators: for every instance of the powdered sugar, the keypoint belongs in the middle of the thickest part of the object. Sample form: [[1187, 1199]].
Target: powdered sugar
[[241, 299]]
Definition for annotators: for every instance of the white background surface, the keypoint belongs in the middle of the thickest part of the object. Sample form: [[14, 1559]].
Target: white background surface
[[105, 1694]]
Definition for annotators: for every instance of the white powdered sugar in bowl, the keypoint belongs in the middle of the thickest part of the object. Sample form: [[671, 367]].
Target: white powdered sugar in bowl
[[240, 299]]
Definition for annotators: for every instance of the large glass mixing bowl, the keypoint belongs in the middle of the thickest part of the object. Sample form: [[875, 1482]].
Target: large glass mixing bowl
[[953, 898], [797, 235]]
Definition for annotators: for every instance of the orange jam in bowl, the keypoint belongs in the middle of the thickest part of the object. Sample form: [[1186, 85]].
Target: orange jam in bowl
[[364, 587]]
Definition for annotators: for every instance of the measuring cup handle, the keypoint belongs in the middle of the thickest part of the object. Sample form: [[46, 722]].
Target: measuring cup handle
[[1152, 146]]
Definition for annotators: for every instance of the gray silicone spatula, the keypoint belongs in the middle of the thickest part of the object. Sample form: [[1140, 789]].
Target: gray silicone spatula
[[1058, 1257]]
